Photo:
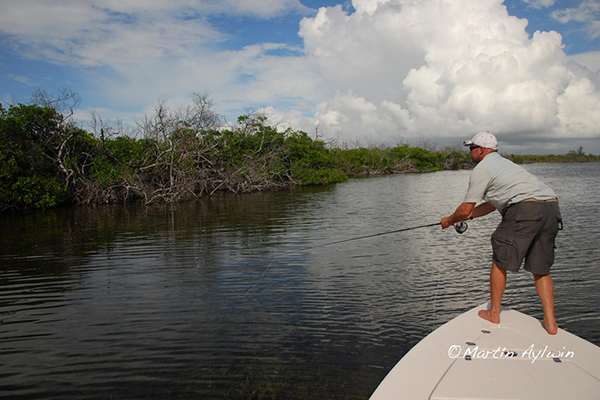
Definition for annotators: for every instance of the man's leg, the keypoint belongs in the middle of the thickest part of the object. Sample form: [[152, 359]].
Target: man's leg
[[497, 286], [545, 289]]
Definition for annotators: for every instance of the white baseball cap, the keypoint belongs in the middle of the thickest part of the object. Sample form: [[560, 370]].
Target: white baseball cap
[[483, 139]]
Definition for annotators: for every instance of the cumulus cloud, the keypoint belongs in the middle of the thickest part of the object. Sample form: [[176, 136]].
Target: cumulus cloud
[[589, 60], [439, 69]]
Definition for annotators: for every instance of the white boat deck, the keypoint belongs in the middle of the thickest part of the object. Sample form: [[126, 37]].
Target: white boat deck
[[470, 358]]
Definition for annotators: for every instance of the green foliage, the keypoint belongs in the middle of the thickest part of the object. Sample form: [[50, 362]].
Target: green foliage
[[310, 162], [28, 143], [34, 192], [403, 158], [570, 157], [41, 156], [418, 158], [363, 161], [117, 158]]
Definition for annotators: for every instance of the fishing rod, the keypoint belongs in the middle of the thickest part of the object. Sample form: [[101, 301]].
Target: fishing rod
[[460, 227]]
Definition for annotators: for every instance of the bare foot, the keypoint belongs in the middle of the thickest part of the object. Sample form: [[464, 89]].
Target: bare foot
[[489, 316], [552, 329]]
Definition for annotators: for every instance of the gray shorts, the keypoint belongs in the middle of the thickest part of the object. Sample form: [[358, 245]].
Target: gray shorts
[[527, 232]]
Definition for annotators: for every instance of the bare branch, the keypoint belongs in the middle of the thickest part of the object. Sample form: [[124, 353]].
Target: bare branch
[[65, 101]]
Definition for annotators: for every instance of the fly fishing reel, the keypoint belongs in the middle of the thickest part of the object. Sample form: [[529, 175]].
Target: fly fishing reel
[[461, 227]]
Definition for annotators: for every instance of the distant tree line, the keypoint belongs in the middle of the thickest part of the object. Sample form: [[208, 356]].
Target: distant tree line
[[47, 160]]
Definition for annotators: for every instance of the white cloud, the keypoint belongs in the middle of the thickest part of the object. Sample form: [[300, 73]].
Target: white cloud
[[242, 80], [259, 8], [111, 32], [579, 108], [96, 33], [584, 12], [590, 60], [441, 69], [537, 4], [22, 79], [138, 52], [588, 13], [367, 6]]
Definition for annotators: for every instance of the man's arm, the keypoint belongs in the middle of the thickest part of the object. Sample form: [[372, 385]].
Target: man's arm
[[460, 214], [466, 211], [481, 210]]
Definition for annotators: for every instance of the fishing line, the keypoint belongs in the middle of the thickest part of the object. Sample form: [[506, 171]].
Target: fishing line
[[374, 235], [460, 227]]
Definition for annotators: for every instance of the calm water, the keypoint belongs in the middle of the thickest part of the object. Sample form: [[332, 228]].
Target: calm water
[[235, 298]]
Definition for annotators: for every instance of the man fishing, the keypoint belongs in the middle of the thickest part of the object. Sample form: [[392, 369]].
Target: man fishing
[[530, 222]]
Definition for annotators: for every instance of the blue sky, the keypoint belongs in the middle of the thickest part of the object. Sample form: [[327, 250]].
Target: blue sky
[[364, 72]]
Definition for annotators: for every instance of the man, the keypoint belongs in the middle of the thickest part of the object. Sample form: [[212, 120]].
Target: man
[[530, 221]]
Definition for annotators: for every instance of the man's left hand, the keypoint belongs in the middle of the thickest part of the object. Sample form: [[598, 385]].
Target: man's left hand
[[445, 222]]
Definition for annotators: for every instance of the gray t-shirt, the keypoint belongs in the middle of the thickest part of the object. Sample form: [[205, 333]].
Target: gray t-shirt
[[501, 183]]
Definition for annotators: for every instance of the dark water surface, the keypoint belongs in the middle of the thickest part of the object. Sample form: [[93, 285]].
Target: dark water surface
[[235, 298]]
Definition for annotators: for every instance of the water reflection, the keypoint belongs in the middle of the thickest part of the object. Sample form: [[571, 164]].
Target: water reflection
[[235, 296]]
